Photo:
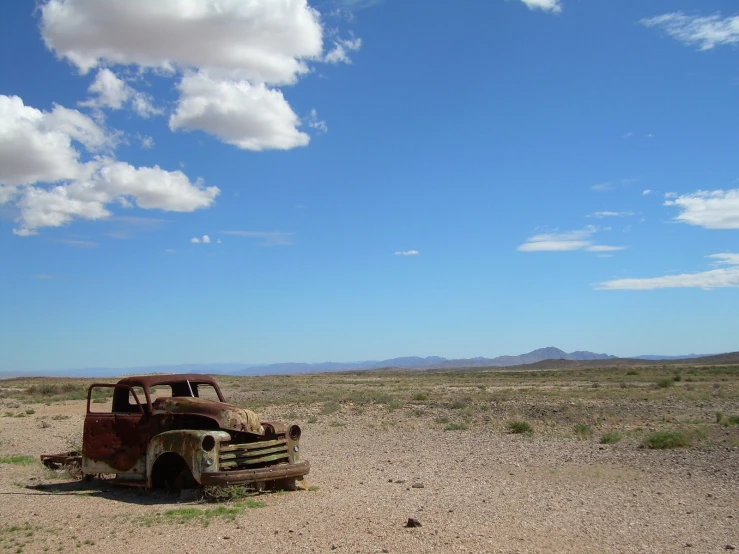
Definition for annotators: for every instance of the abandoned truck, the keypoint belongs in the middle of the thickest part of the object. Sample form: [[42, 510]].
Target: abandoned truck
[[178, 432]]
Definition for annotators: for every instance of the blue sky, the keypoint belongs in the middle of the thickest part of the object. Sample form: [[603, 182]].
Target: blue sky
[[223, 181]]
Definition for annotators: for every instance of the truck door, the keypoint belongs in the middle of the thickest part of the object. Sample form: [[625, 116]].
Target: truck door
[[115, 433]]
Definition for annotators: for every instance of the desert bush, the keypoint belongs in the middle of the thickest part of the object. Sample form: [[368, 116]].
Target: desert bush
[[420, 397], [666, 439], [519, 428], [665, 383], [329, 408], [632, 372], [725, 420], [677, 378], [610, 437], [18, 460], [456, 427], [442, 419], [583, 431]]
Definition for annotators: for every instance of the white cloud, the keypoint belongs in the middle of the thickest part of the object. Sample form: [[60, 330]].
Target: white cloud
[[715, 278], [205, 239], [46, 147], [647, 192], [315, 123], [226, 54], [604, 248], [627, 136], [716, 209], [259, 40], [252, 117], [114, 93], [109, 181], [268, 238], [342, 47], [39, 146], [603, 187], [554, 6], [566, 242], [408, 253], [147, 142], [703, 32], [601, 215]]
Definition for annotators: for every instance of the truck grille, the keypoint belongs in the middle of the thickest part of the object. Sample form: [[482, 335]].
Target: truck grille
[[253, 455]]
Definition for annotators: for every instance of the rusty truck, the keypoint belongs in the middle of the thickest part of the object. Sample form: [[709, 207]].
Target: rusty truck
[[178, 432]]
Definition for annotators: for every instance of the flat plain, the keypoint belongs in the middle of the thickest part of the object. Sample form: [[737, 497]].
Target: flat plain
[[607, 459]]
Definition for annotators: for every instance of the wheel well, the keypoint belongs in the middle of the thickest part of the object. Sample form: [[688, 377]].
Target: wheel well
[[167, 469]]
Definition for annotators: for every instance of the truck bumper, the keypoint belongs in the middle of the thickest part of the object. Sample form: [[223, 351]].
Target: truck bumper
[[246, 476]]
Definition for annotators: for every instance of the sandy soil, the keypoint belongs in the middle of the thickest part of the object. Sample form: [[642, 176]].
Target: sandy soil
[[475, 491]]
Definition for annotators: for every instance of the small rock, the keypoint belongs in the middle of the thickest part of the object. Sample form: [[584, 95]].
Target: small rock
[[417, 485], [730, 547], [385, 551], [412, 522], [688, 544], [400, 481], [226, 537]]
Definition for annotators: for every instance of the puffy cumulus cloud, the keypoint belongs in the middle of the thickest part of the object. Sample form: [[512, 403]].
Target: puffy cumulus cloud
[[112, 92], [715, 278], [566, 242], [107, 182], [205, 239], [407, 253], [252, 117], [704, 32], [554, 6], [39, 148], [233, 49], [259, 40], [716, 209]]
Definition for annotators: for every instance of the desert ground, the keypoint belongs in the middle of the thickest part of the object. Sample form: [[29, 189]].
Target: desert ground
[[621, 459]]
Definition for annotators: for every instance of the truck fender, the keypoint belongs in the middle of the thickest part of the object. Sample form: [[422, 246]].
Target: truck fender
[[199, 453]]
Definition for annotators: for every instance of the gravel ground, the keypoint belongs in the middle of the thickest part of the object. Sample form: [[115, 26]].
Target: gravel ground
[[472, 491]]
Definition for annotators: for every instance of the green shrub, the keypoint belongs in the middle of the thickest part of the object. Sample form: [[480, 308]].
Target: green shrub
[[665, 383], [677, 378], [18, 460], [420, 397], [519, 428], [610, 437], [456, 427], [666, 439], [583, 431], [632, 372]]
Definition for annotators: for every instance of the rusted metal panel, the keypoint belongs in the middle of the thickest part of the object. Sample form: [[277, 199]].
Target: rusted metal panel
[[57, 461]]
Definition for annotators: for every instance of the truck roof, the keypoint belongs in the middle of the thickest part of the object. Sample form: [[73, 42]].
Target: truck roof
[[154, 380]]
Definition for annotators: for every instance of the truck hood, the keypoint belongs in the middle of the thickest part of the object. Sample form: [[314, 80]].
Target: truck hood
[[228, 416]]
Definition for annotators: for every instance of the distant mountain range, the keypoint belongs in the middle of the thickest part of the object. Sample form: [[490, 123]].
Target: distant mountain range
[[409, 362]]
